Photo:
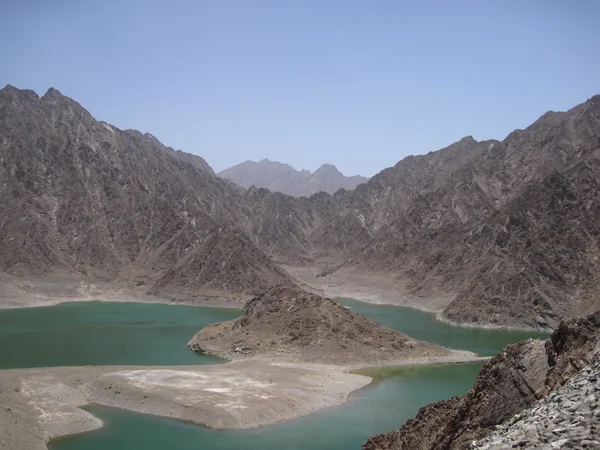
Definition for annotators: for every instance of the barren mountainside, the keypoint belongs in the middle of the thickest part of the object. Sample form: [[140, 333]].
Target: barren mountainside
[[507, 229], [82, 196], [283, 178]]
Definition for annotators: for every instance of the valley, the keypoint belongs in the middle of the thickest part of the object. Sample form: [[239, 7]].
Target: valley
[[116, 251]]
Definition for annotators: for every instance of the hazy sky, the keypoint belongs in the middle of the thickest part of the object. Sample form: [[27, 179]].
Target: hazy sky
[[359, 84]]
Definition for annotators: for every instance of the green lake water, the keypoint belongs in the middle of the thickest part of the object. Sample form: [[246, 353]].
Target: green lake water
[[100, 333]]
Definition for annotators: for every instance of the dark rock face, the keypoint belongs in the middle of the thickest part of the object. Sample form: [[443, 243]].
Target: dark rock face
[[82, 196], [293, 324], [511, 382], [283, 178]]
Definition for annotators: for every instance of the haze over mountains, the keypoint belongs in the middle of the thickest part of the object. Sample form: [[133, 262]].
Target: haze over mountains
[[283, 178], [507, 230]]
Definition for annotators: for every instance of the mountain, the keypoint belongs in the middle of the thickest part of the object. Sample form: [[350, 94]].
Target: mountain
[[507, 230], [283, 178], [83, 197], [512, 382]]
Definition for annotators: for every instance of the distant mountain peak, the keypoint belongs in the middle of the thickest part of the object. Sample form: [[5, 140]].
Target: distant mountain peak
[[280, 177], [53, 92]]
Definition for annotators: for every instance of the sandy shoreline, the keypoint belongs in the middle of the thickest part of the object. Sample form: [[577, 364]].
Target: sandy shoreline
[[53, 289], [381, 289], [40, 404]]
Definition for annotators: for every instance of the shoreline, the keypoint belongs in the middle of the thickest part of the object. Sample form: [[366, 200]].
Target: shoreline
[[50, 399], [339, 284]]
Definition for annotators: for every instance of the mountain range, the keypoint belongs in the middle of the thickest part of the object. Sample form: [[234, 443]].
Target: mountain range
[[283, 178], [506, 230]]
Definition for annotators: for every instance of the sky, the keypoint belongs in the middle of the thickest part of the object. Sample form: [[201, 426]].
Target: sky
[[359, 84]]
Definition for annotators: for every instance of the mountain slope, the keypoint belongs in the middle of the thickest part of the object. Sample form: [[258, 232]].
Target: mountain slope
[[506, 227], [83, 196], [283, 178], [507, 230]]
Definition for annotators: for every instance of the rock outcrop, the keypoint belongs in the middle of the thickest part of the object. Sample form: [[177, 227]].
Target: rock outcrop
[[512, 382], [294, 325], [567, 418], [278, 177]]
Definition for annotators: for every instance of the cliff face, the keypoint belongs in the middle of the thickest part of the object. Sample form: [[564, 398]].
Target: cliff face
[[511, 382], [289, 323], [568, 418]]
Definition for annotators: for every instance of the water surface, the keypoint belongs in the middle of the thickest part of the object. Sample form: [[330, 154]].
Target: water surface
[[100, 333], [104, 333], [424, 326]]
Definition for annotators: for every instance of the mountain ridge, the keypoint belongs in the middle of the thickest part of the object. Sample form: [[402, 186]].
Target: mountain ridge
[[281, 177], [506, 230]]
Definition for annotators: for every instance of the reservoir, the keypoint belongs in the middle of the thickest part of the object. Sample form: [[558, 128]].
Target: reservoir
[[98, 333]]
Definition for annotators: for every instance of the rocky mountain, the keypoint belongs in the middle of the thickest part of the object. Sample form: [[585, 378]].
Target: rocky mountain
[[283, 178], [507, 230], [510, 383], [290, 323], [81, 196]]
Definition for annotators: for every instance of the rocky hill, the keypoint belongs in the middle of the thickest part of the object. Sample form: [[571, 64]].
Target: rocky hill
[[512, 382], [292, 324], [283, 178], [84, 197]]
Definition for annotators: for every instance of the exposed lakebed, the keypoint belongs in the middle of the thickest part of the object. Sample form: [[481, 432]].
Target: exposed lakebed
[[151, 334]]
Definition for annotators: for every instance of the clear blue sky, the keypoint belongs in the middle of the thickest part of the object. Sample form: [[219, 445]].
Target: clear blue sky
[[359, 84]]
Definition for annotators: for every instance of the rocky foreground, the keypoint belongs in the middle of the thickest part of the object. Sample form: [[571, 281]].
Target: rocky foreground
[[290, 324], [567, 418], [513, 382]]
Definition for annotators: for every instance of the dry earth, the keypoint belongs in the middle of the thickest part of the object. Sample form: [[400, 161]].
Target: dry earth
[[40, 404], [378, 288]]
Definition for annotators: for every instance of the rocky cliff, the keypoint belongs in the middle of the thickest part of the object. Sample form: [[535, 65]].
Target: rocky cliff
[[283, 178], [297, 326], [567, 418], [512, 382]]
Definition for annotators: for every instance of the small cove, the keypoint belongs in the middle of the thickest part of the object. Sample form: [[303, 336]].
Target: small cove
[[99, 333]]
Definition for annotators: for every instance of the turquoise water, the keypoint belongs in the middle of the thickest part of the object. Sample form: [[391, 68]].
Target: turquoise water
[[380, 407], [424, 326], [101, 333]]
